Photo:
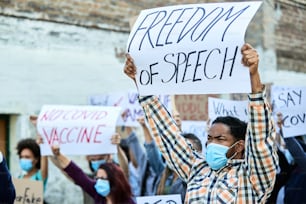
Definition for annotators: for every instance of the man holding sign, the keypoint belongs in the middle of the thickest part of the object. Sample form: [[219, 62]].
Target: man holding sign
[[240, 162]]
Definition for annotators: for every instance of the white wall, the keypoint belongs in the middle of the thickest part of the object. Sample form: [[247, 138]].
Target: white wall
[[47, 63]]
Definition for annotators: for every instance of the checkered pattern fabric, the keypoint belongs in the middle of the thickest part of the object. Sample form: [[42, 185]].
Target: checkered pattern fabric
[[248, 180]]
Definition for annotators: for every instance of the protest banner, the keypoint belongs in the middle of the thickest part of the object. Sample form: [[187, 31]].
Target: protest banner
[[75, 128], [28, 191], [191, 49], [222, 107], [160, 199], [193, 107], [199, 128], [291, 102], [128, 101]]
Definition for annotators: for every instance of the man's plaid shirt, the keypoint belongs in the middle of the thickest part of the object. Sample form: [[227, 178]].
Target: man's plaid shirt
[[248, 180]]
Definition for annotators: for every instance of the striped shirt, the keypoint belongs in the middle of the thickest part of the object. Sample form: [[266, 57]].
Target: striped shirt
[[248, 180]]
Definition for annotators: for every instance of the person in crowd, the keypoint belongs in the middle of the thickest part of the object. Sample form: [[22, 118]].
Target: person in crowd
[[94, 162], [240, 161], [167, 181], [33, 165], [7, 188], [284, 170], [141, 175], [110, 185], [295, 188]]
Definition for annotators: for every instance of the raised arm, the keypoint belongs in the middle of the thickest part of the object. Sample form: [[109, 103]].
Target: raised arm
[[166, 134], [44, 168], [122, 158], [61, 160], [153, 153], [250, 59], [74, 172], [261, 153]]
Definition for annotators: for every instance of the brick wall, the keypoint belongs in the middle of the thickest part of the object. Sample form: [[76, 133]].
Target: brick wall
[[290, 35], [106, 14]]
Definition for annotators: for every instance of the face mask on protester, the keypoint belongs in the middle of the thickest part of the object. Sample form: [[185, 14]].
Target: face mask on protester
[[102, 187], [25, 164], [216, 155], [96, 164]]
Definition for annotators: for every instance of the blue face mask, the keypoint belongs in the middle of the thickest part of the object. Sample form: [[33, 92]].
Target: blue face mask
[[25, 164], [102, 187], [96, 164], [216, 155]]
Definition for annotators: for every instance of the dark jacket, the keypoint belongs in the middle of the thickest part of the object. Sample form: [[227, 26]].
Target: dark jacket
[[7, 188]]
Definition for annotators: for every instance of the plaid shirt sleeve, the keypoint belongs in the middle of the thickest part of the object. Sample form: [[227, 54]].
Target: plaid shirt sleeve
[[175, 149], [261, 154]]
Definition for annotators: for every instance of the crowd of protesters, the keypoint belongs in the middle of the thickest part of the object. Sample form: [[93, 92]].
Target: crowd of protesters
[[243, 162]]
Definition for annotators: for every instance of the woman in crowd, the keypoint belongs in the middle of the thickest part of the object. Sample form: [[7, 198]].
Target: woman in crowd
[[33, 165], [94, 162], [109, 186]]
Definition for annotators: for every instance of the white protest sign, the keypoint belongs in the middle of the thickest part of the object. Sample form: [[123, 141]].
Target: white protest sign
[[114, 99], [191, 49], [198, 128], [291, 102], [222, 107], [129, 104], [160, 199], [75, 128], [120, 99]]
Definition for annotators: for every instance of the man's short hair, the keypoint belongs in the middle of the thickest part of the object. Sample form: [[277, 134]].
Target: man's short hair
[[237, 127]]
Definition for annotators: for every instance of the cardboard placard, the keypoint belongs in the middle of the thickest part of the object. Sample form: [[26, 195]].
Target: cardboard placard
[[28, 191], [193, 107]]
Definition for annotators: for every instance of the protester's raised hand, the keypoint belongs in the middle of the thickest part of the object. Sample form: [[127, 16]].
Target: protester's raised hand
[[250, 58], [55, 150], [33, 119], [141, 121], [39, 140], [130, 68], [116, 138], [60, 160]]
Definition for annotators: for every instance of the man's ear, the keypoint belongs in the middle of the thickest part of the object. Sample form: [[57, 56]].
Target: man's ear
[[240, 146]]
